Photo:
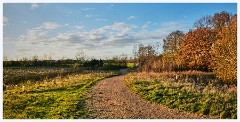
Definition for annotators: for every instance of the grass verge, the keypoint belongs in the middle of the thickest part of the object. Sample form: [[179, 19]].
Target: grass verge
[[195, 92]]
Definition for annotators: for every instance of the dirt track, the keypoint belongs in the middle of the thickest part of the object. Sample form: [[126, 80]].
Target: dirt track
[[111, 99]]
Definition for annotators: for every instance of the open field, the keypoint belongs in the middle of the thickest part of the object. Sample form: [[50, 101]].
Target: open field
[[59, 97], [16, 76], [195, 91]]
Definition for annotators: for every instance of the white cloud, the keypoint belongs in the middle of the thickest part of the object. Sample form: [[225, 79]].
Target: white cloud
[[146, 25], [117, 38], [117, 35], [87, 9], [49, 25], [23, 50], [185, 17], [34, 6], [99, 19], [35, 36], [39, 35], [131, 17], [79, 27], [69, 12], [88, 16], [5, 21], [24, 22]]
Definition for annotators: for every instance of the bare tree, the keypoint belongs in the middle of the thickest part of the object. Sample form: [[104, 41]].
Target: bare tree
[[146, 56], [204, 22], [171, 41], [80, 56]]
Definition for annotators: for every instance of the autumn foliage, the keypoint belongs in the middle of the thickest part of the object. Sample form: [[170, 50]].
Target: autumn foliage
[[194, 49], [211, 46], [224, 52]]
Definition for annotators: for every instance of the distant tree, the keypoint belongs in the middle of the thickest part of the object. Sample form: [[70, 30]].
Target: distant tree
[[35, 58], [23, 62], [34, 61], [47, 57], [101, 63], [146, 56], [171, 41], [80, 57], [94, 63], [123, 60], [171, 44]]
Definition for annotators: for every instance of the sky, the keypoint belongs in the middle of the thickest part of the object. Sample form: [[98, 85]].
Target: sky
[[100, 30]]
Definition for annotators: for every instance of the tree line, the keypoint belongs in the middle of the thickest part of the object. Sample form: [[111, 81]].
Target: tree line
[[116, 62], [211, 46]]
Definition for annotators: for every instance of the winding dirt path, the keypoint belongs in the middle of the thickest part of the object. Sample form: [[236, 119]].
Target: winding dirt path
[[111, 99]]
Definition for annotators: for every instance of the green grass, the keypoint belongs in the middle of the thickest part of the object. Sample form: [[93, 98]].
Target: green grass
[[130, 65], [186, 95], [58, 98]]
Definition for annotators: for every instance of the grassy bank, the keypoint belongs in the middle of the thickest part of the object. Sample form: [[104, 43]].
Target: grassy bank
[[196, 92], [56, 98]]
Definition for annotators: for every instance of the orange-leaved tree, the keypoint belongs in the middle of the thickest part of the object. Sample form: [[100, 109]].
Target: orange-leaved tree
[[194, 47], [224, 51]]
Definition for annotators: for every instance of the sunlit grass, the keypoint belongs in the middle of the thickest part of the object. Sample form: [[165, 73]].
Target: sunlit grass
[[56, 98], [196, 92]]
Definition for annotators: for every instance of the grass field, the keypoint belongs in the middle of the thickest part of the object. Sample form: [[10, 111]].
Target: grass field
[[16, 76], [196, 92], [55, 98]]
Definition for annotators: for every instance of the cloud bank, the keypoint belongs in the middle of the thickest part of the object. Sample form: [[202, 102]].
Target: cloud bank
[[119, 34]]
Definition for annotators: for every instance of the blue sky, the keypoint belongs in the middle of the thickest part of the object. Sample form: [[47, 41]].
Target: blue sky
[[100, 30]]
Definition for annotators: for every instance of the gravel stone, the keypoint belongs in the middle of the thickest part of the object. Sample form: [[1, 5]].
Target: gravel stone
[[111, 99]]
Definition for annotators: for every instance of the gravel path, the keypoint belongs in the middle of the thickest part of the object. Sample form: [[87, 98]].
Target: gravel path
[[111, 99]]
